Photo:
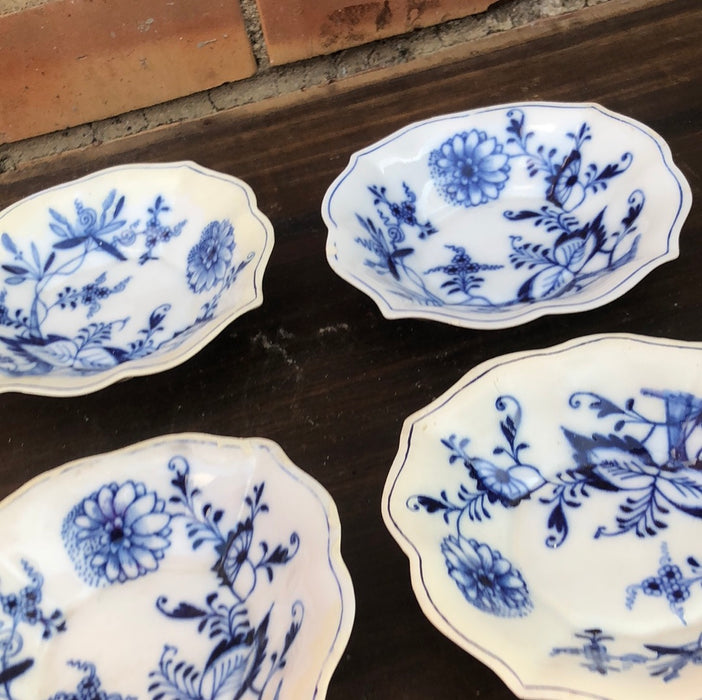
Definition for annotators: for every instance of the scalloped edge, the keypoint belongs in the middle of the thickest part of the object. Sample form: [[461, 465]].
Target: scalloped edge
[[438, 618], [336, 562], [535, 311], [151, 364]]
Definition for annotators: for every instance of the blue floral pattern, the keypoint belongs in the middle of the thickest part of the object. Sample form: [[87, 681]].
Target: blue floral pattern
[[241, 662], [649, 476], [100, 237], [210, 259], [89, 687], [121, 532], [471, 169], [117, 534], [666, 662], [669, 583], [22, 609], [487, 580]]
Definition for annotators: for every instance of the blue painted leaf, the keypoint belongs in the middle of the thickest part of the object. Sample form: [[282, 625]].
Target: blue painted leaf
[[683, 488], [613, 462], [558, 526], [632, 214], [605, 407], [107, 202], [120, 204], [112, 226], [94, 357], [430, 505], [186, 611], [35, 254], [8, 244], [11, 672], [60, 352], [109, 248], [157, 315], [509, 429], [521, 215], [15, 269], [72, 242], [612, 169], [550, 282], [573, 253], [58, 230], [397, 255], [15, 280], [58, 217], [49, 261], [280, 555]]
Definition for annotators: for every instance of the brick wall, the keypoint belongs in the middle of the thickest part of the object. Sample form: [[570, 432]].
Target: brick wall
[[83, 71], [67, 62]]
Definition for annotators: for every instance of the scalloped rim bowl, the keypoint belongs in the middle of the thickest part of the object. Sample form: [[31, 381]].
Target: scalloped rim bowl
[[493, 217], [125, 272], [189, 564], [553, 528]]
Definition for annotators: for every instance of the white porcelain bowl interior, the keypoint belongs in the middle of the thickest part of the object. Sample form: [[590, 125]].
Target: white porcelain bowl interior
[[553, 526], [493, 217], [124, 272]]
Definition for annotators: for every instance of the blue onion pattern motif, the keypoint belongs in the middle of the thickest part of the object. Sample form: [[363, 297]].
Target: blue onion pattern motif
[[667, 662], [669, 583], [487, 580], [507, 485], [89, 687], [245, 661], [469, 168], [117, 534], [557, 247], [647, 478], [462, 273], [19, 610], [33, 339], [210, 258]]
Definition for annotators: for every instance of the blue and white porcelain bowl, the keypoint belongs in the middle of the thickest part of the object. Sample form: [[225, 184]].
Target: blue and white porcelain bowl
[[125, 272], [189, 566], [493, 217], [554, 528]]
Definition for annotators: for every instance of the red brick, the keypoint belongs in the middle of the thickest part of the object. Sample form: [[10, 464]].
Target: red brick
[[297, 29], [69, 62]]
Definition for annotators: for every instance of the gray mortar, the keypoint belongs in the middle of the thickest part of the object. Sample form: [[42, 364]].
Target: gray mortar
[[271, 81]]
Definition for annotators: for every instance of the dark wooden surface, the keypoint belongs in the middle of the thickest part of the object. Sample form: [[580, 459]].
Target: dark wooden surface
[[317, 368]]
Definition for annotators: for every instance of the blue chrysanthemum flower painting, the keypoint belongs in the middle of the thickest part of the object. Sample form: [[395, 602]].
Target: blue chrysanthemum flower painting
[[492, 217], [210, 259], [470, 168], [487, 580], [127, 271], [117, 534]]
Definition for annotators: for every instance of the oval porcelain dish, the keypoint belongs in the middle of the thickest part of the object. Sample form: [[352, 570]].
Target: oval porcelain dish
[[125, 272], [554, 528], [493, 217], [189, 566]]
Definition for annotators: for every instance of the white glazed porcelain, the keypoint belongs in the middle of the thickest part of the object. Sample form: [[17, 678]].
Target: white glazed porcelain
[[124, 272], [550, 504], [189, 566], [493, 217]]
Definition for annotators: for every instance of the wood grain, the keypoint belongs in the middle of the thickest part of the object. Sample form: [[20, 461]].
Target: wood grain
[[316, 368]]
